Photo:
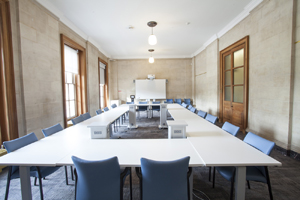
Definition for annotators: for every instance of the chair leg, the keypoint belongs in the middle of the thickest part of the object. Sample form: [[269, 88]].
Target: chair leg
[[40, 183], [8, 183], [232, 186], [248, 183], [76, 178], [66, 174], [214, 174], [130, 182], [35, 179], [269, 183], [209, 174], [72, 174]]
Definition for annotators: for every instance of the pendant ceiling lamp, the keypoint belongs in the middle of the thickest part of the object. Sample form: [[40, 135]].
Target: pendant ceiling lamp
[[152, 38], [151, 59]]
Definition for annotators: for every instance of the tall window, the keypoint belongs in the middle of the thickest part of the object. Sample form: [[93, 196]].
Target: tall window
[[71, 73], [73, 79], [102, 71]]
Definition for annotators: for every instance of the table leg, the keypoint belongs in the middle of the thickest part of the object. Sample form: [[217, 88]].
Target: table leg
[[191, 184], [240, 179], [25, 182]]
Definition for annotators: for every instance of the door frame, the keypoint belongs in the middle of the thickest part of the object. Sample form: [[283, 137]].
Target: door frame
[[243, 41]]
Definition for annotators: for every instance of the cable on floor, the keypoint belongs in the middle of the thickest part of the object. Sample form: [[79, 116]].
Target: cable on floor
[[202, 193]]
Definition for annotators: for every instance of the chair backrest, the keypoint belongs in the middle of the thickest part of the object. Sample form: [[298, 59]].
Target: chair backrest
[[187, 101], [143, 108], [230, 128], [259, 143], [167, 178], [98, 112], [189, 107], [183, 105], [178, 101], [169, 101], [18, 143], [193, 109], [77, 120], [114, 106], [97, 179], [156, 107], [202, 113], [106, 109], [86, 116], [211, 118], [129, 102], [51, 130]]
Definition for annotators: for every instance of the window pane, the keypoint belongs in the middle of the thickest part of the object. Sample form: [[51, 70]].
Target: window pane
[[227, 93], [71, 59], [102, 102], [68, 109], [67, 92], [228, 62], [101, 90], [238, 58], [72, 108], [72, 91], [238, 94], [102, 76], [69, 77], [228, 78], [238, 76]]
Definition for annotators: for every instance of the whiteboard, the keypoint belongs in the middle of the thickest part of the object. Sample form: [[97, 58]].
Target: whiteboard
[[150, 89]]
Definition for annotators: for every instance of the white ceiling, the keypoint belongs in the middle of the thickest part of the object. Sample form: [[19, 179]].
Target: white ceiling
[[105, 23]]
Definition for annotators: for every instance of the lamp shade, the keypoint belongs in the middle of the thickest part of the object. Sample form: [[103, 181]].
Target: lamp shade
[[152, 39], [151, 60]]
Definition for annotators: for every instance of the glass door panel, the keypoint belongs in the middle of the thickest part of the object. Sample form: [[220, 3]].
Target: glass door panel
[[228, 62], [238, 76], [228, 93], [238, 93], [228, 78], [238, 58]]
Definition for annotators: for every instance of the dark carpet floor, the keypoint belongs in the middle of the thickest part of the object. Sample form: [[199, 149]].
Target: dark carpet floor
[[285, 180]]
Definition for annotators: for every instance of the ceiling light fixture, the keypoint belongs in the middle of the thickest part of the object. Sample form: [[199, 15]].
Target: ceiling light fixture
[[152, 38], [151, 59]]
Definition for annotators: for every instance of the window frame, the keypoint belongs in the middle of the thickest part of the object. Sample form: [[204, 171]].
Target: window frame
[[81, 80], [106, 93]]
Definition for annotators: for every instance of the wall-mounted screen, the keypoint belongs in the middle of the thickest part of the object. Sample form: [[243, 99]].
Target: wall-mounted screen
[[150, 89]]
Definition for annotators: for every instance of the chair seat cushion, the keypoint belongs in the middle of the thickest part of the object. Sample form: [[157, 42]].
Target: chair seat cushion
[[226, 172], [255, 174]]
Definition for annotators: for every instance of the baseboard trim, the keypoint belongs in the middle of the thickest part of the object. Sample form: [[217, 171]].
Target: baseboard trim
[[289, 153]]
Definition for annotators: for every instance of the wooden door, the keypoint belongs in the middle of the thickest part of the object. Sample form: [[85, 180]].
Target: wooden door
[[234, 84]]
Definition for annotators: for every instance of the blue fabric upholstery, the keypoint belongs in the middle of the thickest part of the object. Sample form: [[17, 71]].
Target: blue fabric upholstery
[[114, 106], [178, 101], [105, 109], [98, 112], [202, 113], [97, 179], [51, 130], [259, 143], [165, 179], [187, 101], [189, 107], [193, 110], [129, 102], [211, 118], [142, 108], [38, 172], [169, 101], [77, 120], [183, 105], [86, 116], [156, 108], [230, 128]]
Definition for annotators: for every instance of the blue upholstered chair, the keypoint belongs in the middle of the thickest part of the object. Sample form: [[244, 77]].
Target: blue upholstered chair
[[142, 108], [98, 112], [161, 180], [77, 120], [193, 110], [187, 101], [201, 113], [105, 109], [37, 172], [129, 102], [155, 108], [253, 173], [51, 130], [230, 128], [211, 118], [189, 107], [169, 101], [86, 116], [178, 101], [99, 179], [183, 105], [114, 106]]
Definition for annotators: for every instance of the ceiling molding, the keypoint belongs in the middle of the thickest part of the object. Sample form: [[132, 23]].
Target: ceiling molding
[[230, 25], [72, 26], [158, 57]]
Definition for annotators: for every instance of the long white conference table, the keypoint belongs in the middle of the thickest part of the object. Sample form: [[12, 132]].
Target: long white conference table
[[206, 144]]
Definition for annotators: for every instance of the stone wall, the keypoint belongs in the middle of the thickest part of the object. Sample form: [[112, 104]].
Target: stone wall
[[177, 71]]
